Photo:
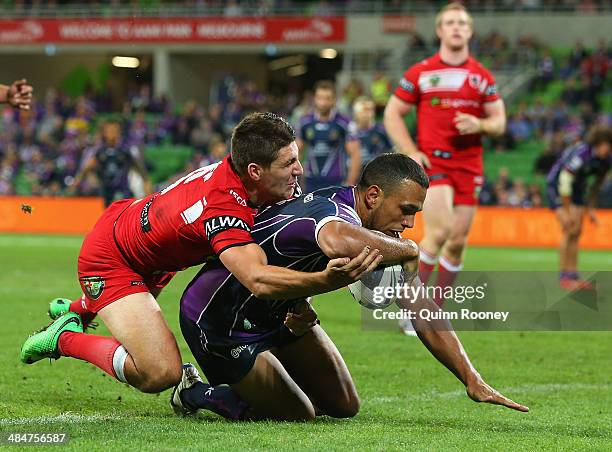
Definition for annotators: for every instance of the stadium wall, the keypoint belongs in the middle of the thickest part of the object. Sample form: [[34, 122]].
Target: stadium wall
[[493, 226]]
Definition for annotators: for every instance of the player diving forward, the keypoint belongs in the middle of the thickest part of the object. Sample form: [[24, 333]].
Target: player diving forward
[[137, 246], [278, 362], [566, 187]]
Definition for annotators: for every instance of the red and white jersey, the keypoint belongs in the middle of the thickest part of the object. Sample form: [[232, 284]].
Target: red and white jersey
[[439, 90], [199, 215]]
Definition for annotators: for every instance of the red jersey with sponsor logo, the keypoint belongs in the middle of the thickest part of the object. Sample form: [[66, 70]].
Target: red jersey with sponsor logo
[[439, 90], [199, 215]]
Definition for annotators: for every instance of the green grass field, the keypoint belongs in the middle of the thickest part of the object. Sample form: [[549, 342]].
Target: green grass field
[[408, 399]]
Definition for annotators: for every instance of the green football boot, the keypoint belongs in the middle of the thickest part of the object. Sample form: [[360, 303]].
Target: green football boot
[[44, 344], [58, 307]]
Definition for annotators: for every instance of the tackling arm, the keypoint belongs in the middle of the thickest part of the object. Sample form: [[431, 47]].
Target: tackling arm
[[248, 263], [337, 238]]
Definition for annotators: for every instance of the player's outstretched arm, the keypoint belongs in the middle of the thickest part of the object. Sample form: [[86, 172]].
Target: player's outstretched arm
[[248, 263], [440, 339], [337, 239]]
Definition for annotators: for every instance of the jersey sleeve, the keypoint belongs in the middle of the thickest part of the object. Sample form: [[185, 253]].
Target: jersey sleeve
[[326, 210], [574, 163], [301, 129], [352, 131], [299, 236], [227, 223], [490, 92], [408, 87]]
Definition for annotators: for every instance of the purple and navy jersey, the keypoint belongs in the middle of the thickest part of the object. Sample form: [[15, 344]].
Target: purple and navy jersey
[[325, 154], [580, 161], [287, 232], [114, 164], [372, 141]]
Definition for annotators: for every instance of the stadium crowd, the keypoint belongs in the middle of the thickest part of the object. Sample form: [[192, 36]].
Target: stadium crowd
[[43, 149], [233, 8]]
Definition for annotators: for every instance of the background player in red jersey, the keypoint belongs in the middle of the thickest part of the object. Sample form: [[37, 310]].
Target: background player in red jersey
[[456, 100], [18, 94], [137, 245]]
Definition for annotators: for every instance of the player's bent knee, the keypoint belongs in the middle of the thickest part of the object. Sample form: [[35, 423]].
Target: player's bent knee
[[456, 246], [347, 407], [160, 378], [441, 234]]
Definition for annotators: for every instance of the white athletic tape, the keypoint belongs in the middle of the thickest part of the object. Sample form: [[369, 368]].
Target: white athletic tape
[[119, 358]]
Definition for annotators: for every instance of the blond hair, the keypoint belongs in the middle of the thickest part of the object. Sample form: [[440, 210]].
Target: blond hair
[[454, 6]]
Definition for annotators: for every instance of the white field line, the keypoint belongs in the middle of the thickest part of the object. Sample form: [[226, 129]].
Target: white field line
[[65, 418], [509, 391]]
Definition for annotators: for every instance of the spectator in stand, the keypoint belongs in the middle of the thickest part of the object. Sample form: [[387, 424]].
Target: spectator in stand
[[571, 95], [546, 71]]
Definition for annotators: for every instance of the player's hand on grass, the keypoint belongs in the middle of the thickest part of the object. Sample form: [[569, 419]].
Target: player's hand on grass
[[467, 124], [482, 392], [420, 158], [301, 319], [20, 94], [343, 271]]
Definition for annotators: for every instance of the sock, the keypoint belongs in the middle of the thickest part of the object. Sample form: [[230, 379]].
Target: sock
[[447, 273], [101, 351], [78, 306], [427, 262], [218, 399]]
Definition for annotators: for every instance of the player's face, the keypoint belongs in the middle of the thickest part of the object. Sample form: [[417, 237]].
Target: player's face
[[454, 30], [278, 182], [365, 115], [602, 150], [324, 101], [111, 133], [396, 210]]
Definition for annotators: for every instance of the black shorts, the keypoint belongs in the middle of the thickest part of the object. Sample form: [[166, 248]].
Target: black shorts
[[554, 199], [226, 360]]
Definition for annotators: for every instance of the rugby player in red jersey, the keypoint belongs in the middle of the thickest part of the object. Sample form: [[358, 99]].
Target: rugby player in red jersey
[[137, 246], [457, 102]]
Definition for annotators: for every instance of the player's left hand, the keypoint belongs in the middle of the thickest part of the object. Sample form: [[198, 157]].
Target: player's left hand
[[302, 318], [467, 124], [343, 271], [482, 392], [20, 94]]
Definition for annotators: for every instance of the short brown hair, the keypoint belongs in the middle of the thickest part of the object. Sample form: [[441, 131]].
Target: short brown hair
[[598, 135], [258, 138], [454, 6], [325, 85]]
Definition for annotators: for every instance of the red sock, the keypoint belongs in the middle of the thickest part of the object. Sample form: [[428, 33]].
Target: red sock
[[78, 306], [101, 351], [427, 262], [447, 273]]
